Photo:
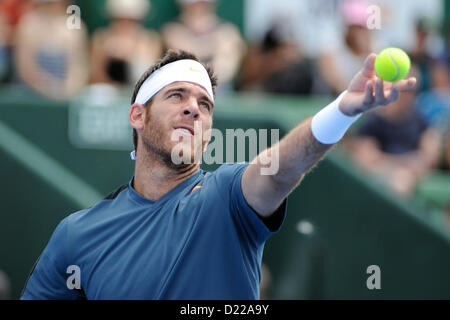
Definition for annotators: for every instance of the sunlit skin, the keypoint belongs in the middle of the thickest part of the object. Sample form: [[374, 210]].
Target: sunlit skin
[[177, 105]]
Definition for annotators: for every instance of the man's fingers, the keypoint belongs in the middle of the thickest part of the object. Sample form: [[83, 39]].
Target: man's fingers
[[368, 96], [380, 99], [369, 66], [387, 85], [407, 84], [393, 96]]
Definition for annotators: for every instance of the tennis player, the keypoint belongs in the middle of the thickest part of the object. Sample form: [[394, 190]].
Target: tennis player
[[175, 231]]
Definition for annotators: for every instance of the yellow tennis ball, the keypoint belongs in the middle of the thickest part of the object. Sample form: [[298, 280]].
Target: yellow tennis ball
[[392, 64]]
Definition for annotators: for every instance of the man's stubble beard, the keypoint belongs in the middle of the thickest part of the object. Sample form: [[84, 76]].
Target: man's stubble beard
[[158, 152]]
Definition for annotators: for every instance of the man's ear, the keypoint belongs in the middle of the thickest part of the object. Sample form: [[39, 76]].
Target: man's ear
[[137, 116]]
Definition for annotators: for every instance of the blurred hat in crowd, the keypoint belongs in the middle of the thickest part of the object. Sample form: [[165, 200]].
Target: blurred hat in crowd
[[132, 9], [354, 12], [280, 32], [185, 2], [44, 2]]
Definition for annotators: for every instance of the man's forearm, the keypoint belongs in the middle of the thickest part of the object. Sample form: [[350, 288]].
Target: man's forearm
[[307, 143], [298, 151]]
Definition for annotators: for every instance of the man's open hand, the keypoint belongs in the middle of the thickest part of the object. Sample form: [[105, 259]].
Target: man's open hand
[[366, 91]]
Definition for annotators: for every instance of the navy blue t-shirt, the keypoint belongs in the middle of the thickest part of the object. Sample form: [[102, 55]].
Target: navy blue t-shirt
[[201, 240], [395, 138]]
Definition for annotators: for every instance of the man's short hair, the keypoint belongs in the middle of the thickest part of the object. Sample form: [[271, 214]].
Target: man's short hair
[[169, 57]]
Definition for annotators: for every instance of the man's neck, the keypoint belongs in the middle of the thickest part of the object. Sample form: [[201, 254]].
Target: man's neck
[[153, 179]]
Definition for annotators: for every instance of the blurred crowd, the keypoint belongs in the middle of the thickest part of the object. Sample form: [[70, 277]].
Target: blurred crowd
[[40, 48], [402, 143]]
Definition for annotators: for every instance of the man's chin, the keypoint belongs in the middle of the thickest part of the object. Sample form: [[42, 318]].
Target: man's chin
[[185, 154]]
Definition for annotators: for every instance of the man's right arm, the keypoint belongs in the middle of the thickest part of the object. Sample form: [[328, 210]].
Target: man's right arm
[[48, 279]]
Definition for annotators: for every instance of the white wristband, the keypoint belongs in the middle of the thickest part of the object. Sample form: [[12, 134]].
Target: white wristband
[[329, 125]]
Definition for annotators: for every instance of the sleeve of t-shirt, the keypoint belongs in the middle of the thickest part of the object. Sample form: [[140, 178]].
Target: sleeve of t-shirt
[[257, 228], [47, 280]]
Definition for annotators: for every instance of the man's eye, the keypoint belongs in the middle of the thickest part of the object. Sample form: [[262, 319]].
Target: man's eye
[[175, 95], [205, 105]]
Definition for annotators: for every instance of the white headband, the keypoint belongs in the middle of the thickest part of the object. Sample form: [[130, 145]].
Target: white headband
[[181, 70]]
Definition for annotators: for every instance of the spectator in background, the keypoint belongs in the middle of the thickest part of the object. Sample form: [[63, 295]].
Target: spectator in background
[[447, 152], [13, 10], [5, 48], [420, 55], [435, 102], [124, 49], [396, 144], [265, 285], [199, 30], [277, 65], [338, 65], [5, 286], [445, 56], [10, 13], [50, 57]]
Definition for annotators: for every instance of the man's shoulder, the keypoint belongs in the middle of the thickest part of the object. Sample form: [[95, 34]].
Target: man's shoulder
[[116, 192], [100, 206], [226, 174], [229, 169]]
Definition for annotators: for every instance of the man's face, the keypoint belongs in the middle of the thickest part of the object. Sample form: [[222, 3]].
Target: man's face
[[359, 38], [177, 120]]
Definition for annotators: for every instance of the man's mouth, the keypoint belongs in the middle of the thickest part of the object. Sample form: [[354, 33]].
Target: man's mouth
[[186, 129]]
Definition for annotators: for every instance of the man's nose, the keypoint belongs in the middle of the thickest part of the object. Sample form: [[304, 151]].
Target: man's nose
[[191, 110]]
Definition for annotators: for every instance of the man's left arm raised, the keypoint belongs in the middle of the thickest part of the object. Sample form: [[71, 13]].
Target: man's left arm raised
[[305, 145]]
